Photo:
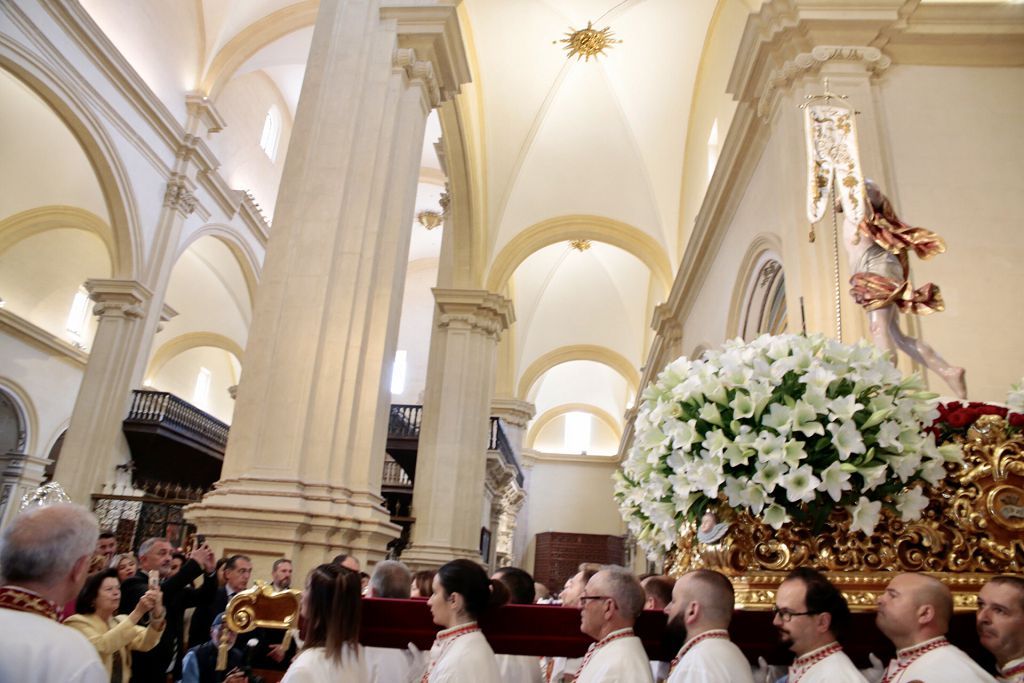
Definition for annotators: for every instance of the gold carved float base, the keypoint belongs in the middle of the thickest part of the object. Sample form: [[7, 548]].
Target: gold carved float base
[[972, 529]]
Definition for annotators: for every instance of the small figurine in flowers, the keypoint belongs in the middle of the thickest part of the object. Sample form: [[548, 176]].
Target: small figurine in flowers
[[710, 529], [878, 249]]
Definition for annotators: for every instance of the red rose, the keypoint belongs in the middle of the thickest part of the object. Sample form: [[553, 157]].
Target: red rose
[[960, 419], [1017, 420]]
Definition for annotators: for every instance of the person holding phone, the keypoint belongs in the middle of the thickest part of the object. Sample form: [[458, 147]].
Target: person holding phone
[[115, 637]]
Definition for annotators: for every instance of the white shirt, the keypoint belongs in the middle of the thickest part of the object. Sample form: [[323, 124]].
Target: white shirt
[[711, 660], [36, 649], [1016, 677], [313, 666], [462, 657], [519, 668], [833, 667], [935, 661], [389, 664], [619, 657]]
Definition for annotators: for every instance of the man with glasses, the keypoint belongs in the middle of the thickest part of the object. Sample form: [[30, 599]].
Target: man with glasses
[[609, 606], [809, 613]]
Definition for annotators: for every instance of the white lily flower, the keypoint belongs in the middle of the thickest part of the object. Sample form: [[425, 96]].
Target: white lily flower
[[835, 480], [775, 516], [865, 515], [800, 484], [911, 503], [846, 438], [844, 407], [873, 476], [769, 475], [709, 413], [889, 436], [779, 418], [805, 419]]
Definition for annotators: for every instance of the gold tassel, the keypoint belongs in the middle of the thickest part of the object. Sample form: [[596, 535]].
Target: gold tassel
[[222, 649], [810, 234]]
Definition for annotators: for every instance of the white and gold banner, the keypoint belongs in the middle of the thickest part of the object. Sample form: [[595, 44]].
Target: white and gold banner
[[833, 157]]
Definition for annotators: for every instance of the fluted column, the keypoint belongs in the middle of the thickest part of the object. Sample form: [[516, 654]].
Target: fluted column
[[95, 442], [452, 459], [302, 471]]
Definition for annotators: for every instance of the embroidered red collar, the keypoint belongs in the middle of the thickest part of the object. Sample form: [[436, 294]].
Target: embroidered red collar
[[21, 600], [446, 638], [688, 645], [907, 656], [1017, 668], [801, 665], [623, 633]]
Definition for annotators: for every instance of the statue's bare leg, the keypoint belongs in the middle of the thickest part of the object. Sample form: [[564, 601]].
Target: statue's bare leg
[[887, 335]]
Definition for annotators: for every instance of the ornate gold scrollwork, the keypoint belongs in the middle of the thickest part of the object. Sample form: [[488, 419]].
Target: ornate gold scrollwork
[[972, 528]]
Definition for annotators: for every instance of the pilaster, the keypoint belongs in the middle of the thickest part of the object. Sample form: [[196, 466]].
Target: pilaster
[[19, 474], [451, 465], [302, 471]]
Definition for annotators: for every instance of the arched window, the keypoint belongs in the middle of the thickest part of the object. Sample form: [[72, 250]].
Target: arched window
[[271, 133], [12, 426], [765, 302]]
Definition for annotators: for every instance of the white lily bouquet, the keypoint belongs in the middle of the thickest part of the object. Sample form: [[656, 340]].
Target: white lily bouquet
[[787, 427]]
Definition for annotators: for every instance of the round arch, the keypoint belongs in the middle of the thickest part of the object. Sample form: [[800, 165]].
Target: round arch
[[111, 174], [25, 224], [762, 243], [580, 226], [191, 340], [239, 248], [554, 413], [26, 410], [254, 37], [565, 354]]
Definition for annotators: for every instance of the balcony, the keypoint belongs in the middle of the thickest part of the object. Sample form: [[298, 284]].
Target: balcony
[[499, 443], [171, 440]]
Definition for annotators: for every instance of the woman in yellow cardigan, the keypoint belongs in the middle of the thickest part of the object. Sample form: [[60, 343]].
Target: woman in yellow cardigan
[[115, 637]]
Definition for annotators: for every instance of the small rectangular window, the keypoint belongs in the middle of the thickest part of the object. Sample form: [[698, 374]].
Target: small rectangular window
[[577, 432], [398, 372], [78, 315], [201, 394]]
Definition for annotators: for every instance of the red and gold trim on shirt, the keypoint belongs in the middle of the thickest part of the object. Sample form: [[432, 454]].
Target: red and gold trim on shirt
[[21, 600]]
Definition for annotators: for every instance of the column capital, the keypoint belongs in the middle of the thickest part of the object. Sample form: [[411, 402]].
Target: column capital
[[433, 33], [513, 411], [666, 323], [474, 309], [180, 195], [118, 298]]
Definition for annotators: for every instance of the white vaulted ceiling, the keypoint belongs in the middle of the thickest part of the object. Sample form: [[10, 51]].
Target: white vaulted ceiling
[[562, 148]]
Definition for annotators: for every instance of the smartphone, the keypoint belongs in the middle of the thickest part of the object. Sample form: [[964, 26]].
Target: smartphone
[[200, 540], [154, 579]]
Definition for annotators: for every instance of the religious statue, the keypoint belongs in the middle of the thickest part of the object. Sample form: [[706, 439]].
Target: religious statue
[[878, 248]]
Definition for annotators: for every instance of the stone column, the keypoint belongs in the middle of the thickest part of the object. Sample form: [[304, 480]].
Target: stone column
[[19, 474], [513, 522], [302, 472], [452, 460], [95, 443]]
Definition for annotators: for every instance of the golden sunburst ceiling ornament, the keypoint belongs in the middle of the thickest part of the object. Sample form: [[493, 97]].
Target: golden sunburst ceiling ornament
[[580, 245], [588, 42]]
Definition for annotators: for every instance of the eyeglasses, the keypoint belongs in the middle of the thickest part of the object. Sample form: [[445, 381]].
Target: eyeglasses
[[786, 615], [584, 598]]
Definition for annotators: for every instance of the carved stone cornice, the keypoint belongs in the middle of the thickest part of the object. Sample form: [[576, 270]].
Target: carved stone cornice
[[433, 32], [474, 309], [180, 196], [666, 323], [201, 108], [118, 298], [513, 411]]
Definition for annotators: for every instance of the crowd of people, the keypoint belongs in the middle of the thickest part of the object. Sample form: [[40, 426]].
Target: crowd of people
[[70, 611]]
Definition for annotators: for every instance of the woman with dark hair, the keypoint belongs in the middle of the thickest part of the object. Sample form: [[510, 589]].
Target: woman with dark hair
[[115, 637], [461, 654], [331, 609], [423, 584]]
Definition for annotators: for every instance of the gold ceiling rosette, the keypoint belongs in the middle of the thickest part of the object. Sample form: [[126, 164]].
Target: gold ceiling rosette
[[801, 451]]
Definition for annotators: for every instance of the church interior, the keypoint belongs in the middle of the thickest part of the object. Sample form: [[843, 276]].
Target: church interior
[[388, 277]]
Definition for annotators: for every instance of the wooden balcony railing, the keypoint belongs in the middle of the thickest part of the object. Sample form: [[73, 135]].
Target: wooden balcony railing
[[394, 475], [170, 412], [404, 421]]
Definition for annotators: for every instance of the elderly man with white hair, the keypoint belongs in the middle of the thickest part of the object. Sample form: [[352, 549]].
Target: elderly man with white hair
[[44, 560], [609, 606]]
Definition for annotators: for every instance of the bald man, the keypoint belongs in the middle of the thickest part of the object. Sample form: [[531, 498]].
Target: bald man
[[702, 605], [914, 613], [1000, 622]]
